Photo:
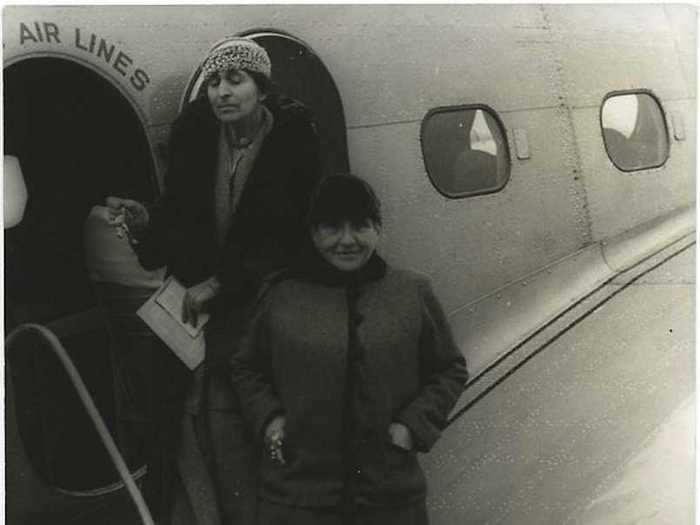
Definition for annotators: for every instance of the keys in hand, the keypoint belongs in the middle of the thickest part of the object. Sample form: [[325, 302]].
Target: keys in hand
[[130, 217], [275, 451], [274, 439]]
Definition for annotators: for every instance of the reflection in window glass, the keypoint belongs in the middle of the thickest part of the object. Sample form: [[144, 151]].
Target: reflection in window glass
[[634, 131], [465, 151]]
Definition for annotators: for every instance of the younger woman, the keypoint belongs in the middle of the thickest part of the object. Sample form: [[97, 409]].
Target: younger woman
[[349, 369]]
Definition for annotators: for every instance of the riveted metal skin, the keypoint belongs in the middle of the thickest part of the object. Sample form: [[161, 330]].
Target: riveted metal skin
[[506, 265]]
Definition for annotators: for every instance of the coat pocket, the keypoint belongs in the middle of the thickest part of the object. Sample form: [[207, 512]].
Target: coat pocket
[[397, 458], [402, 480]]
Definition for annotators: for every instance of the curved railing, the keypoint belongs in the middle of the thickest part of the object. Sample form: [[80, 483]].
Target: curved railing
[[91, 410]]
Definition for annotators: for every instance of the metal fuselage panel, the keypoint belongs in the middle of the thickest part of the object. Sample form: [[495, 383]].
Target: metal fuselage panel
[[545, 69]]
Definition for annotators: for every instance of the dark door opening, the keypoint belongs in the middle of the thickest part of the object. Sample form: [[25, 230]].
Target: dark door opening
[[299, 73], [78, 140]]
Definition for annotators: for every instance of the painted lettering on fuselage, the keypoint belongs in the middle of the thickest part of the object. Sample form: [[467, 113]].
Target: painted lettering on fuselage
[[88, 42]]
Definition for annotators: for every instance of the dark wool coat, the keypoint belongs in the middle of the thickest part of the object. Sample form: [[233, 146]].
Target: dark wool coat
[[267, 227], [266, 231], [342, 361]]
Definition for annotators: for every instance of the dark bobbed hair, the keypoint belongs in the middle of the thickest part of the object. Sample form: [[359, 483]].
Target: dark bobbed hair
[[342, 197]]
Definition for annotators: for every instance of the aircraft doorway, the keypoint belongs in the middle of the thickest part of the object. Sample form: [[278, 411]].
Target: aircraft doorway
[[78, 139], [299, 73]]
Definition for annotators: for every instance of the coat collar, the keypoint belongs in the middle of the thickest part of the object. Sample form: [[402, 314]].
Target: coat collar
[[311, 267]]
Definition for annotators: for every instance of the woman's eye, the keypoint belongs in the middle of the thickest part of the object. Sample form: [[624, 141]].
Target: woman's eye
[[362, 225], [234, 78], [213, 81], [329, 228]]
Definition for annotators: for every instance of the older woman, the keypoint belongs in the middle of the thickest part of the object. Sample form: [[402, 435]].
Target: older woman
[[348, 370], [241, 167]]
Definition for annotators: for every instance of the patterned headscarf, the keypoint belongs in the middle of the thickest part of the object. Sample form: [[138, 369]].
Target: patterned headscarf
[[236, 53]]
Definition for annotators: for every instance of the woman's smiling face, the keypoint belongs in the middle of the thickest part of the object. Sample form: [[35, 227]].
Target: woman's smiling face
[[233, 95], [346, 244]]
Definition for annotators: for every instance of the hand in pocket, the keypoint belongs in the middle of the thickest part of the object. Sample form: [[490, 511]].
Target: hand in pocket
[[400, 435]]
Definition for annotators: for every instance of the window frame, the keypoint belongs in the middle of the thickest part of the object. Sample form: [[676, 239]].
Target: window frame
[[499, 124], [655, 98]]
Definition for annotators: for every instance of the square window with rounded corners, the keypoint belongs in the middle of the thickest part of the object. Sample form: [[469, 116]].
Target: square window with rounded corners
[[465, 150], [634, 131]]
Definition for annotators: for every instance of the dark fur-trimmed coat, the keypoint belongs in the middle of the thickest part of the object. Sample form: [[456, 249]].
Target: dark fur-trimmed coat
[[266, 231], [267, 226]]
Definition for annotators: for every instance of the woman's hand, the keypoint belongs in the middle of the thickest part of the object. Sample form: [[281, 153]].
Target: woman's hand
[[274, 438], [128, 215], [401, 436], [197, 299]]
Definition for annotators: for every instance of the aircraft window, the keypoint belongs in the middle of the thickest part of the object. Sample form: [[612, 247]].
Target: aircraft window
[[465, 150], [634, 131]]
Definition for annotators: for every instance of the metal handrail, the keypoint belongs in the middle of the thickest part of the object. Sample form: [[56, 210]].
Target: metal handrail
[[92, 412]]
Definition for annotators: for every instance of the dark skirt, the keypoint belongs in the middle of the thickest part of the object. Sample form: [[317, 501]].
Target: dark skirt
[[217, 459], [216, 482]]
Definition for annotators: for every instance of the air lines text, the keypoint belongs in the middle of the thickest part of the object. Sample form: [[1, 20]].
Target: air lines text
[[86, 41]]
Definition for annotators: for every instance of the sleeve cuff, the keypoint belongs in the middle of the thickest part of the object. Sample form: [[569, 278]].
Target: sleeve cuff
[[424, 437]]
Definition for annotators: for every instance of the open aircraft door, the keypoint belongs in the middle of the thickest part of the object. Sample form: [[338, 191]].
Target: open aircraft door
[[298, 72], [81, 118], [79, 135]]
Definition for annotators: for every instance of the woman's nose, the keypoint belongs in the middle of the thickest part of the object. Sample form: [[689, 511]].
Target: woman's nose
[[347, 234], [224, 88]]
